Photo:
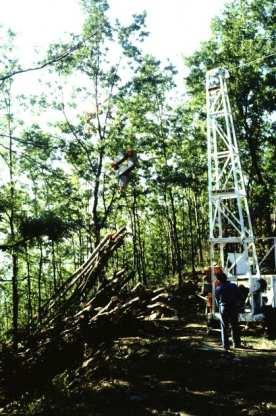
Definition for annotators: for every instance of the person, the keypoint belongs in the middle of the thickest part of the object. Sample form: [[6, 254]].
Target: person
[[206, 291], [269, 315], [228, 298], [207, 295], [244, 292]]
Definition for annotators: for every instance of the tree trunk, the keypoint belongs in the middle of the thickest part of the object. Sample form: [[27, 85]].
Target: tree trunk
[[54, 266], [40, 279], [15, 299], [176, 240], [29, 309], [191, 234], [198, 230]]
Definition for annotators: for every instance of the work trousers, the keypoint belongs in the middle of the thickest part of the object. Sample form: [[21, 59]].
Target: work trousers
[[229, 317], [270, 321]]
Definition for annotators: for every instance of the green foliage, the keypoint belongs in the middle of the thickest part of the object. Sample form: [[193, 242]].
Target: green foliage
[[61, 195], [48, 224], [243, 41]]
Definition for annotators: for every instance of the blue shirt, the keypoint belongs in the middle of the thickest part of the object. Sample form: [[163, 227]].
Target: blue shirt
[[228, 294]]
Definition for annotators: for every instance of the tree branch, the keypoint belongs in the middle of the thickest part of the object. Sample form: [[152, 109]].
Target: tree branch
[[52, 61]]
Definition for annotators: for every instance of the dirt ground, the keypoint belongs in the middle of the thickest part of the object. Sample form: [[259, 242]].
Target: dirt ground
[[180, 370]]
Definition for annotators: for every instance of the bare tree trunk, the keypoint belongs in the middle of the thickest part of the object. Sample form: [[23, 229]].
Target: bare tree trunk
[[198, 230], [40, 268], [166, 244], [136, 262], [191, 234], [29, 296], [54, 265], [15, 297], [141, 258], [81, 259], [176, 240]]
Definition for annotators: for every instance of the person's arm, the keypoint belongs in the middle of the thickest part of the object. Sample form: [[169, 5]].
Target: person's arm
[[217, 294]]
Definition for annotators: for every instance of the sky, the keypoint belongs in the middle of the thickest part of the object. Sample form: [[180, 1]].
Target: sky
[[176, 26], [176, 29]]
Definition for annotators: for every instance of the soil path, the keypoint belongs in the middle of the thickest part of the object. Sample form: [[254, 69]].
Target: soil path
[[183, 371], [179, 371]]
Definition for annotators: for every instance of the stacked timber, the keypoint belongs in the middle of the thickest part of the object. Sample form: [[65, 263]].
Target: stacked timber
[[83, 282], [88, 311]]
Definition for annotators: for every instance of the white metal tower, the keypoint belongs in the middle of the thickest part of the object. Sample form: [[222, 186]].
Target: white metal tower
[[231, 235]]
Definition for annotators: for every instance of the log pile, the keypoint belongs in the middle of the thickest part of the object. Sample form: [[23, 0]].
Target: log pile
[[81, 284], [56, 339], [86, 313]]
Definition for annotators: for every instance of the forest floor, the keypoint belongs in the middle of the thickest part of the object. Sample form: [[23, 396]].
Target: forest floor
[[180, 370]]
